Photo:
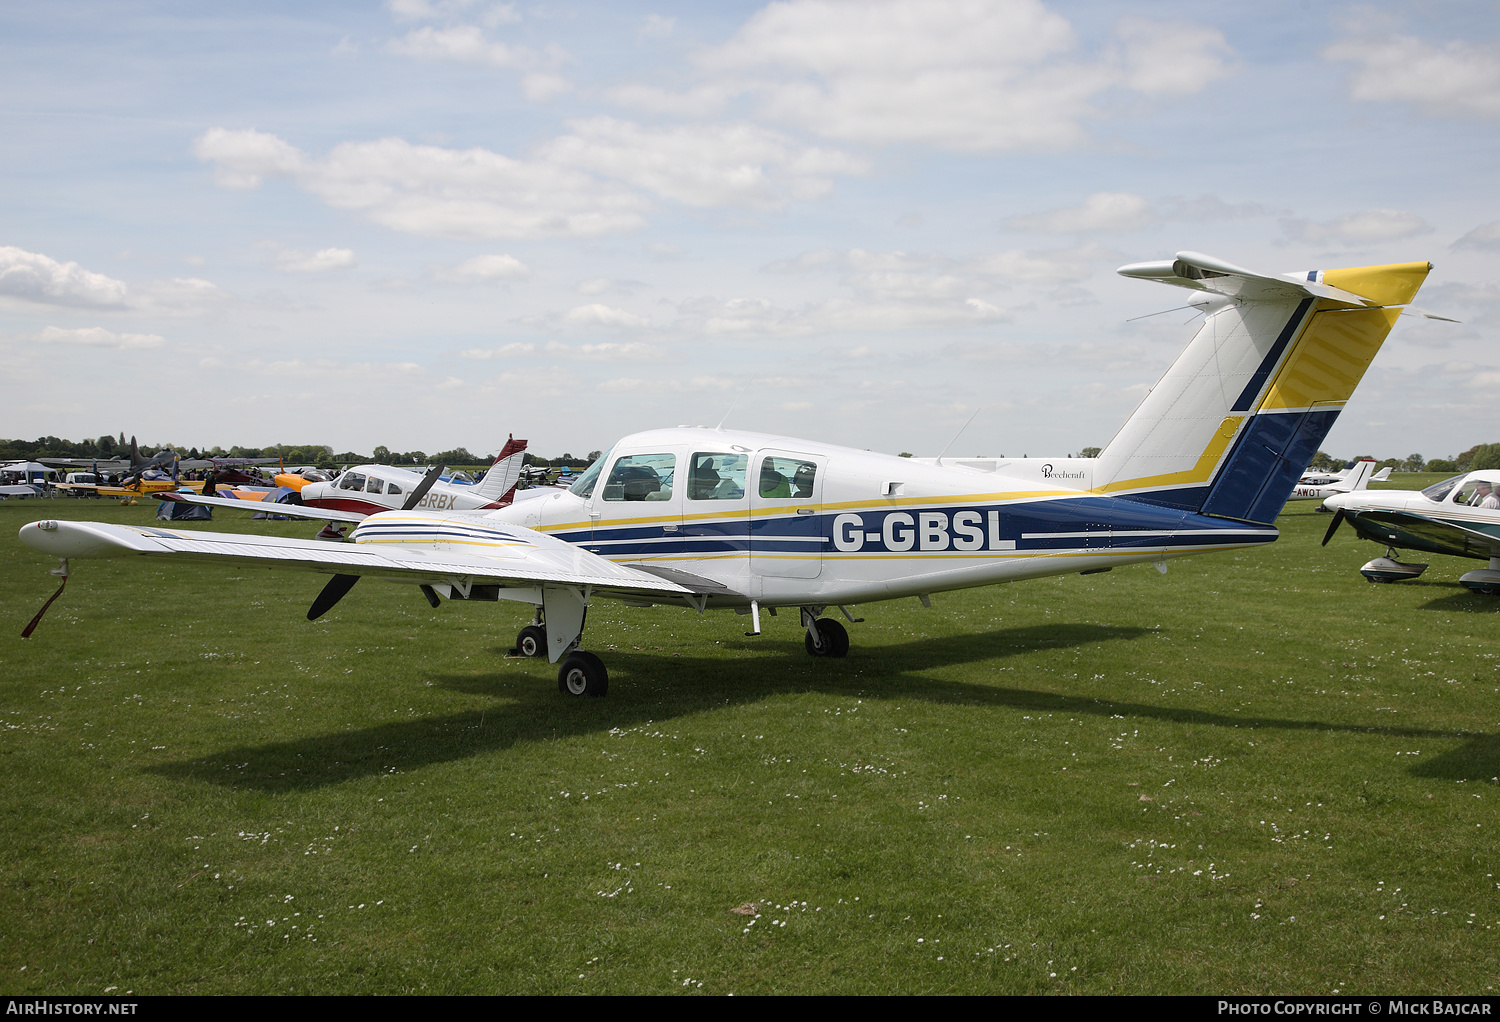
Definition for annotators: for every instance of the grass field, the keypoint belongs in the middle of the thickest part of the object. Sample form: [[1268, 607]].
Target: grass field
[[1257, 774]]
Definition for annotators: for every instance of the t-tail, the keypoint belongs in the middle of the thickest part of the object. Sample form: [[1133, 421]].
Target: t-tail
[[1231, 426], [499, 483]]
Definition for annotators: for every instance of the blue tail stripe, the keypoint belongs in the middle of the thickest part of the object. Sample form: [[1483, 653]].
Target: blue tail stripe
[[1247, 397]]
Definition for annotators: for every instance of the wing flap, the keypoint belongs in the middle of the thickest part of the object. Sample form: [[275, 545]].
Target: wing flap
[[521, 565], [288, 510]]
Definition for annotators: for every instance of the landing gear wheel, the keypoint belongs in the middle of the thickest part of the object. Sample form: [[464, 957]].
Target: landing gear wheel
[[532, 641], [582, 674], [834, 638]]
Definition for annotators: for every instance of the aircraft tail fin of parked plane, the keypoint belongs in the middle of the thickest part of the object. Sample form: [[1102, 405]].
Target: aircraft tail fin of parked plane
[[1358, 478], [1231, 425], [499, 483]]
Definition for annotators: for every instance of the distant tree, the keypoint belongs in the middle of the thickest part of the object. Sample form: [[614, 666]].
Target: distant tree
[[1413, 463], [414, 458], [1442, 465], [595, 456], [1485, 456], [1090, 452], [106, 446], [1322, 460], [382, 455], [457, 456], [904, 454]]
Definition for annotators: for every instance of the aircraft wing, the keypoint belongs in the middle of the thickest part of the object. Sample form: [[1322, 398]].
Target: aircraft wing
[[288, 510], [515, 557], [1201, 272]]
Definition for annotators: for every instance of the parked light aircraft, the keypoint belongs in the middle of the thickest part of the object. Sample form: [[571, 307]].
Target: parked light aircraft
[[1358, 478], [365, 490], [1456, 516], [719, 519], [1317, 478]]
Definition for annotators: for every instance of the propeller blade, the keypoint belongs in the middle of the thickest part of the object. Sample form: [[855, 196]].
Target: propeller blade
[[422, 487], [332, 593], [26, 633], [432, 596], [1333, 526]]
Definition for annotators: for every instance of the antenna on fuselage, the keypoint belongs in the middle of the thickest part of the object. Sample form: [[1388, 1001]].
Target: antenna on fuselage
[[720, 427], [958, 434]]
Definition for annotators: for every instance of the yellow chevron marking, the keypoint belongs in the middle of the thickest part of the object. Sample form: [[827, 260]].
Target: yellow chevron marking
[[1331, 357], [1391, 284], [1199, 473]]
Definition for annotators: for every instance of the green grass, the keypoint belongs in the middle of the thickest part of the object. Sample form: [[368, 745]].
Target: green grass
[[1256, 774]]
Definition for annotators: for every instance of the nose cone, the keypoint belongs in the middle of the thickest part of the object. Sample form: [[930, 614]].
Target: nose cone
[[1337, 501]]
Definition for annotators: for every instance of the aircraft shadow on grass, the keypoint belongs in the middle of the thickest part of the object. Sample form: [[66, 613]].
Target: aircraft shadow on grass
[[653, 685]]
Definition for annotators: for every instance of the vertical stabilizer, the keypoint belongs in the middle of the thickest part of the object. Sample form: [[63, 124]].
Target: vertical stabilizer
[[1234, 421], [499, 483]]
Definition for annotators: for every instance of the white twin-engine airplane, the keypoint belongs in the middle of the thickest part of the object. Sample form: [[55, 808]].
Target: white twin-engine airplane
[[717, 519], [1357, 478], [366, 490]]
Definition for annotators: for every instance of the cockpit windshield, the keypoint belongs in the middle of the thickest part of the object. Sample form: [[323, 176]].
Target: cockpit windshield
[[585, 484], [1437, 491]]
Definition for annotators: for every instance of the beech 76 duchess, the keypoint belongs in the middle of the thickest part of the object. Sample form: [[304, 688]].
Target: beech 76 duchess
[[718, 519]]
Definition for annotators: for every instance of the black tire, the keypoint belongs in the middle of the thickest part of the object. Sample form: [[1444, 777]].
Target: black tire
[[532, 641], [582, 674], [835, 639]]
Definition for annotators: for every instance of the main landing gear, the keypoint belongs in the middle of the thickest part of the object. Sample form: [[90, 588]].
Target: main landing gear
[[581, 673], [825, 636]]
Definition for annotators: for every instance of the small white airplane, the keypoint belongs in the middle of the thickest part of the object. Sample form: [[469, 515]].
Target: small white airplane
[[1317, 478], [1358, 478], [715, 519], [366, 490], [1458, 516]]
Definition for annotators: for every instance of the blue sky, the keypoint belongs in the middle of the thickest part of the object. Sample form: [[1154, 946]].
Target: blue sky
[[430, 224]]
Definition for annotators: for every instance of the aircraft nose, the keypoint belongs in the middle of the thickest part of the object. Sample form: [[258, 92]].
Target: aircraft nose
[[1336, 502]]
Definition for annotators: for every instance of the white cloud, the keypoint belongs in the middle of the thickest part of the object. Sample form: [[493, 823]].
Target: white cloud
[[180, 296], [703, 165], [596, 314], [244, 158], [319, 262], [1455, 77], [631, 351], [466, 43], [1485, 237], [1363, 228], [37, 278], [504, 351], [563, 192], [900, 275], [605, 285], [966, 75], [1164, 58], [752, 317], [540, 86], [98, 337], [486, 269], [327, 370], [1100, 212], [429, 190]]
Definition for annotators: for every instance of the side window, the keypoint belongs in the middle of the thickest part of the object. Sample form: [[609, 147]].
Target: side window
[[786, 478], [374, 485], [352, 481], [641, 477], [718, 476], [392, 488]]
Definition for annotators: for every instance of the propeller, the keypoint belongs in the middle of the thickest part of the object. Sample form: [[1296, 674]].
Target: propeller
[[338, 587], [1333, 526], [422, 487]]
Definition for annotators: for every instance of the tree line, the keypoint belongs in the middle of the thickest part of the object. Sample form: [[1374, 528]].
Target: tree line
[[321, 455]]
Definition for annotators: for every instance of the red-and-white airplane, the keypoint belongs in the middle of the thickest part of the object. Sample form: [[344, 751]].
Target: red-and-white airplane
[[366, 490]]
